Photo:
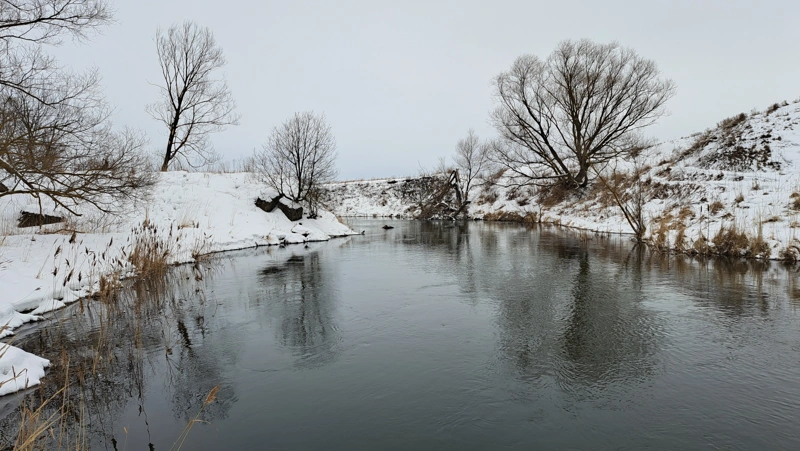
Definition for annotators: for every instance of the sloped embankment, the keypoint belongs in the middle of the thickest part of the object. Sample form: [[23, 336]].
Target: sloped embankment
[[733, 189]]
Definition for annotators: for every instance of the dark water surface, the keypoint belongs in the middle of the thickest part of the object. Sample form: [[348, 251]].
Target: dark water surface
[[467, 336]]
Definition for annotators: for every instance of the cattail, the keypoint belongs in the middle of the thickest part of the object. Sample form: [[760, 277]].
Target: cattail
[[212, 395]]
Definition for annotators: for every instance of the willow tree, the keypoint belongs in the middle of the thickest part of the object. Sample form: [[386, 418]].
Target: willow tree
[[583, 106], [195, 101]]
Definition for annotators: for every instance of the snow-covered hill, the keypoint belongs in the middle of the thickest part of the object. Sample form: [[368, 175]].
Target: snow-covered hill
[[733, 189]]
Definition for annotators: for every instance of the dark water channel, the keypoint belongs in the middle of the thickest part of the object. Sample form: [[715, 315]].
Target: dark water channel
[[441, 336]]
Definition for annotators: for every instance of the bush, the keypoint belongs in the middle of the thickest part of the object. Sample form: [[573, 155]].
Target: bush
[[794, 203], [772, 108], [730, 242], [789, 254], [732, 121]]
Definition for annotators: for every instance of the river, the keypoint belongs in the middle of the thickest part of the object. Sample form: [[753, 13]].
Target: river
[[440, 335]]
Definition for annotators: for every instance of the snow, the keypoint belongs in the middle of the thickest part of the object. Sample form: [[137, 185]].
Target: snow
[[743, 177], [201, 212], [19, 369]]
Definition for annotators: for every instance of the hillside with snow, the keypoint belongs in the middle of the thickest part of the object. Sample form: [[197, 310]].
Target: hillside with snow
[[733, 189]]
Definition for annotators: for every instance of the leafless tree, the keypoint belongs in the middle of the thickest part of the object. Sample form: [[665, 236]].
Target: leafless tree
[[299, 157], [471, 160], [584, 105], [56, 141], [629, 194], [65, 150], [193, 102]]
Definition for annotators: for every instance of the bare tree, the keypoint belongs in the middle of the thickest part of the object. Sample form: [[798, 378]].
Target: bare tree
[[471, 160], [299, 157], [582, 106], [629, 195], [194, 104], [56, 141], [66, 150]]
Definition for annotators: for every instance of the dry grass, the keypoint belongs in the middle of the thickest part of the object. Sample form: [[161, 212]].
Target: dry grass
[[488, 197], [685, 213], [97, 361], [210, 398], [790, 254], [661, 230], [730, 242], [715, 207], [553, 195], [151, 249], [512, 216]]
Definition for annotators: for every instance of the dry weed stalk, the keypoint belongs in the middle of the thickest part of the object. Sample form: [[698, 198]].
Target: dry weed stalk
[[212, 395]]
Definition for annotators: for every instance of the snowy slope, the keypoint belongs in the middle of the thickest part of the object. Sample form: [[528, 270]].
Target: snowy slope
[[201, 212], [741, 175]]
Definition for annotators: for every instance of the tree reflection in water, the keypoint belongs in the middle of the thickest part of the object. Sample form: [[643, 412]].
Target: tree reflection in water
[[301, 298], [564, 318]]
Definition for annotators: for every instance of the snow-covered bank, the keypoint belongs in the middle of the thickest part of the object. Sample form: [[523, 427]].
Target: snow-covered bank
[[200, 213], [732, 189]]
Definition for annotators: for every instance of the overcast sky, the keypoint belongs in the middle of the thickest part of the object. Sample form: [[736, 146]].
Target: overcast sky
[[401, 81]]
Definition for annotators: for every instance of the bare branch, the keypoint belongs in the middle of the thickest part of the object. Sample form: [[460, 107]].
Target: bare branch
[[56, 141], [298, 158], [578, 108], [193, 103]]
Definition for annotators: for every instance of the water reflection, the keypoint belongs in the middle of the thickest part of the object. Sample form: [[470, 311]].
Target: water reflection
[[437, 335], [302, 298], [566, 318], [608, 338], [103, 354]]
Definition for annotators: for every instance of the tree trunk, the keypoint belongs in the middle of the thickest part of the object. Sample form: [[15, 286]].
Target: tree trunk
[[173, 127], [582, 178]]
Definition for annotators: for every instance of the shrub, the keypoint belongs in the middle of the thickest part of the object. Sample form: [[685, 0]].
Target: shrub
[[715, 207], [790, 253], [794, 204], [553, 195], [732, 121], [730, 242], [772, 108], [759, 248]]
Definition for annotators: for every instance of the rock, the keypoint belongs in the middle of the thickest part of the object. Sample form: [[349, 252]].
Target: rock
[[387, 227]]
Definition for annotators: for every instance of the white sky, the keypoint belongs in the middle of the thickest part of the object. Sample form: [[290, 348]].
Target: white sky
[[401, 81]]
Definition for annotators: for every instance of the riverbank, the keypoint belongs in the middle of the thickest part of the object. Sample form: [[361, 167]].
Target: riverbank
[[190, 214], [731, 190]]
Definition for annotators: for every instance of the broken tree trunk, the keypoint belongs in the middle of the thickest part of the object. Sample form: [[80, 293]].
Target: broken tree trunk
[[27, 219], [293, 214]]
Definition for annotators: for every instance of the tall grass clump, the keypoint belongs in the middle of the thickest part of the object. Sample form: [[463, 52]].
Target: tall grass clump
[[151, 249]]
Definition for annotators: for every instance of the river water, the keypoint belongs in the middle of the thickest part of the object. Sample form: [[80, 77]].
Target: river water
[[435, 335]]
